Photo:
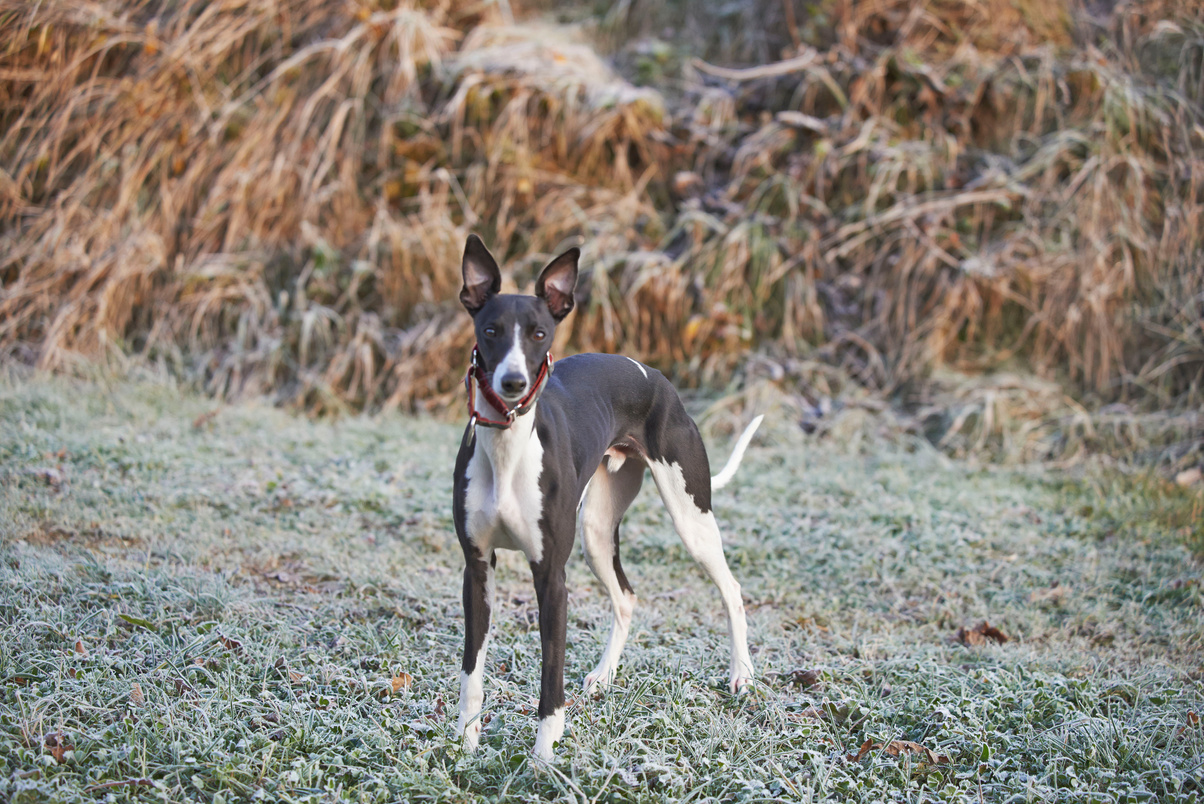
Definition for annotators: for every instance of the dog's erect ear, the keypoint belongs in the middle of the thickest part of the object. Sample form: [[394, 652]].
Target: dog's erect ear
[[556, 282], [482, 277]]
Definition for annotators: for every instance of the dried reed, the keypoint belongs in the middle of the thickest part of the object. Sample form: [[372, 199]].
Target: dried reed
[[271, 197]]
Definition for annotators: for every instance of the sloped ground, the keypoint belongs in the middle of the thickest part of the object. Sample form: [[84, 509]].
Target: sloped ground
[[224, 603]]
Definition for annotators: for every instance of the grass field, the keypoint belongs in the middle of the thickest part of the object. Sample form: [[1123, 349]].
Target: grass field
[[233, 603]]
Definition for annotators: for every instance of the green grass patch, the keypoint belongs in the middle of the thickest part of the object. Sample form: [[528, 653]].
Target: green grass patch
[[232, 603]]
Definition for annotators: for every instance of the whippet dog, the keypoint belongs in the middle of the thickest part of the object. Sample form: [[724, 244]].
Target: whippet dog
[[542, 446]]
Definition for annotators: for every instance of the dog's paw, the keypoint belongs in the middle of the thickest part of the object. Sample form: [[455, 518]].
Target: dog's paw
[[543, 754], [470, 734], [740, 684], [598, 681], [551, 729]]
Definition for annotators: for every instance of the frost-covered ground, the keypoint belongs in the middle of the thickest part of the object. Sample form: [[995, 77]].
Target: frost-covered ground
[[250, 605]]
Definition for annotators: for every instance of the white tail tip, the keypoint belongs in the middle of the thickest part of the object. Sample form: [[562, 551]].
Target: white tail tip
[[733, 463]]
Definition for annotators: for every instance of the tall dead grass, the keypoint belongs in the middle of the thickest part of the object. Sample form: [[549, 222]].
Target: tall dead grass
[[273, 196]]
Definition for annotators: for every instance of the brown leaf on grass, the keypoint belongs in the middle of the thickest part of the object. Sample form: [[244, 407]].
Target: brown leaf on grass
[[804, 678], [204, 419], [829, 710], [230, 644], [810, 713], [81, 648], [58, 746], [136, 696], [1193, 721], [979, 634], [401, 681], [897, 748]]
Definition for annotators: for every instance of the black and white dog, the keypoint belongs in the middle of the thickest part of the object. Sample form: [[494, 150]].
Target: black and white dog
[[541, 446]]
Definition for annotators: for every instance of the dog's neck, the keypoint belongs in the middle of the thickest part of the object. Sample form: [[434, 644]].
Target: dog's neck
[[504, 448]]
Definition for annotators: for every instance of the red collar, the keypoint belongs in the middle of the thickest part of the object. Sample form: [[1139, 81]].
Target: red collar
[[475, 378]]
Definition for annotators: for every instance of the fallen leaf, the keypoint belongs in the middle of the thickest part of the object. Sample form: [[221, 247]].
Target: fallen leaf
[[810, 713], [979, 634], [58, 746], [229, 643], [834, 712], [1193, 720], [136, 696], [80, 648], [897, 748], [204, 418], [401, 681], [804, 678]]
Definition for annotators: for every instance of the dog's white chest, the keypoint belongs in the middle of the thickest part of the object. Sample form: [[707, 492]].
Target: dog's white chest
[[503, 502]]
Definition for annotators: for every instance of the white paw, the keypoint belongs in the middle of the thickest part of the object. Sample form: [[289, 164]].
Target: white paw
[[471, 733], [551, 729], [598, 680], [739, 684], [542, 752]]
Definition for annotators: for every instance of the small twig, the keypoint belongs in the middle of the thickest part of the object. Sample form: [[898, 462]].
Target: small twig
[[801, 62], [143, 782]]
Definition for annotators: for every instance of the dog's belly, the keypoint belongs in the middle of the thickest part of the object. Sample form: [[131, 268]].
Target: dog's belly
[[503, 501]]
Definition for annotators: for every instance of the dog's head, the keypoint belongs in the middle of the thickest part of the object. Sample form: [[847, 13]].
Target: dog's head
[[514, 332]]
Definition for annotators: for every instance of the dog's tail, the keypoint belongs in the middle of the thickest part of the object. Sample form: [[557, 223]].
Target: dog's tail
[[733, 463]]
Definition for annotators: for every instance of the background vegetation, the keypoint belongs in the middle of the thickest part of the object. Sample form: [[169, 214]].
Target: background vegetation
[[878, 197]]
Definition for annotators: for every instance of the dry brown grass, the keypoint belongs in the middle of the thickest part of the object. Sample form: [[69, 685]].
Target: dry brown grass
[[272, 197]]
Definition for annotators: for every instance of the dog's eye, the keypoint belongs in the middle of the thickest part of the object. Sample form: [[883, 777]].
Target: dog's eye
[[490, 332], [539, 334]]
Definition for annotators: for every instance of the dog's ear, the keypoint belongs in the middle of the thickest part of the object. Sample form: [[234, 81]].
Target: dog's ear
[[482, 277], [556, 282]]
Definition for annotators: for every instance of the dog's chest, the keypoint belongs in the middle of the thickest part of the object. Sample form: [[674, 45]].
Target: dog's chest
[[503, 503]]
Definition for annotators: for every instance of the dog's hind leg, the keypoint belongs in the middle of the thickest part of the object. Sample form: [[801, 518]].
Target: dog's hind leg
[[478, 600], [689, 507], [607, 498]]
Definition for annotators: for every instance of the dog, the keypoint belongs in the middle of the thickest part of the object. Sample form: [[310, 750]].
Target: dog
[[543, 447]]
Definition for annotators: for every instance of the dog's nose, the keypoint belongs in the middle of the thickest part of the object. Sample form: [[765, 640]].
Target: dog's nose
[[513, 384]]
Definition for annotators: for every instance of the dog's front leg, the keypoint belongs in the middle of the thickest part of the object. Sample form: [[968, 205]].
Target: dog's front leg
[[478, 600], [553, 620]]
